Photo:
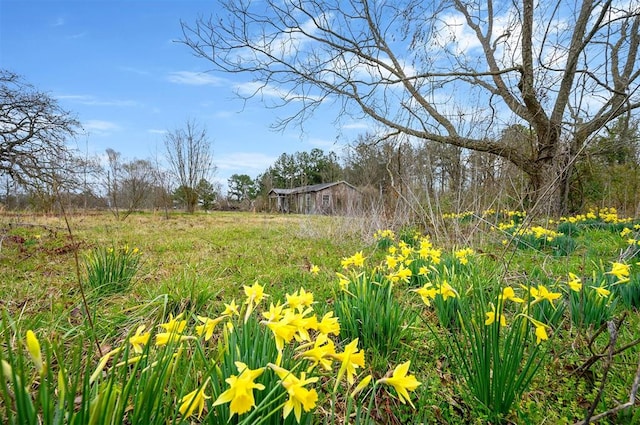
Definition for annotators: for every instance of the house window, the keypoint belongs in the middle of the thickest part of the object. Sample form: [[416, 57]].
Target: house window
[[326, 201]]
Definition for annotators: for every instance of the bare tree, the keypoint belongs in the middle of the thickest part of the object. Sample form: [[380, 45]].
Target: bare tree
[[34, 131], [455, 72], [188, 152], [113, 176]]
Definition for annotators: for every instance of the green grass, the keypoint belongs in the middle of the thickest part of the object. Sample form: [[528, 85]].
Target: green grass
[[196, 263]]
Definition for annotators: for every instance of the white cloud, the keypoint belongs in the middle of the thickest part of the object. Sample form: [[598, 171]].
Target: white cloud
[[156, 131], [245, 162], [256, 88], [356, 126], [100, 126], [195, 79], [324, 144], [93, 101]]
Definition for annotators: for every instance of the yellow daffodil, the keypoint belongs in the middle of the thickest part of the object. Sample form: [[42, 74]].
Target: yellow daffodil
[[403, 274], [356, 260], [284, 329], [7, 372], [254, 294], [391, 261], [174, 325], [402, 382], [208, 326], [321, 353], [231, 309], [541, 330], [574, 282], [447, 291], [139, 339], [621, 271], [343, 281], [102, 363], [601, 291], [165, 338], [329, 324], [240, 392], [194, 401], [300, 398], [361, 385], [427, 293], [491, 317], [542, 293], [33, 346], [300, 299], [541, 334], [350, 360], [509, 294], [274, 313], [314, 269]]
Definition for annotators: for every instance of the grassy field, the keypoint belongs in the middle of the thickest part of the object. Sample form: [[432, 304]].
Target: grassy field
[[403, 296]]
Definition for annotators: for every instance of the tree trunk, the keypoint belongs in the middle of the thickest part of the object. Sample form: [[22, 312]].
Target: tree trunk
[[549, 192]]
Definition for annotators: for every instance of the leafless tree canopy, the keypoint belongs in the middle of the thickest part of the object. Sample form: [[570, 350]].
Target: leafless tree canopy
[[34, 131], [456, 72], [190, 158]]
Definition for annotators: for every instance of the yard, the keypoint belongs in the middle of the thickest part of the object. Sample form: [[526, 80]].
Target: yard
[[252, 318]]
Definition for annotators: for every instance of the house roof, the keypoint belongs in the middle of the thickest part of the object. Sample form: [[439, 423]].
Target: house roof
[[308, 189]]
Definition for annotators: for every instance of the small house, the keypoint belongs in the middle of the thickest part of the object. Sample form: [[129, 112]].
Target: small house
[[324, 198]]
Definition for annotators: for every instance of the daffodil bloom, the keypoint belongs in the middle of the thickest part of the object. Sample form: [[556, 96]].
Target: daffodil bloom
[[447, 291], [601, 291], [343, 281], [491, 317], [350, 359], [542, 293], [329, 324], [231, 309], [509, 294], [402, 382], [33, 346], [575, 284], [165, 338], [208, 326], [254, 293], [391, 261], [541, 330], [321, 353], [403, 274], [541, 334], [284, 329], [361, 385], [7, 372], [300, 398], [102, 363], [423, 271], [427, 293], [314, 269], [356, 259], [274, 313], [139, 339], [240, 392], [194, 401], [174, 325], [621, 271], [300, 299]]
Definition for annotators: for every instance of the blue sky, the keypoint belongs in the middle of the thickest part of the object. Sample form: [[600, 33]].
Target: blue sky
[[117, 66]]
